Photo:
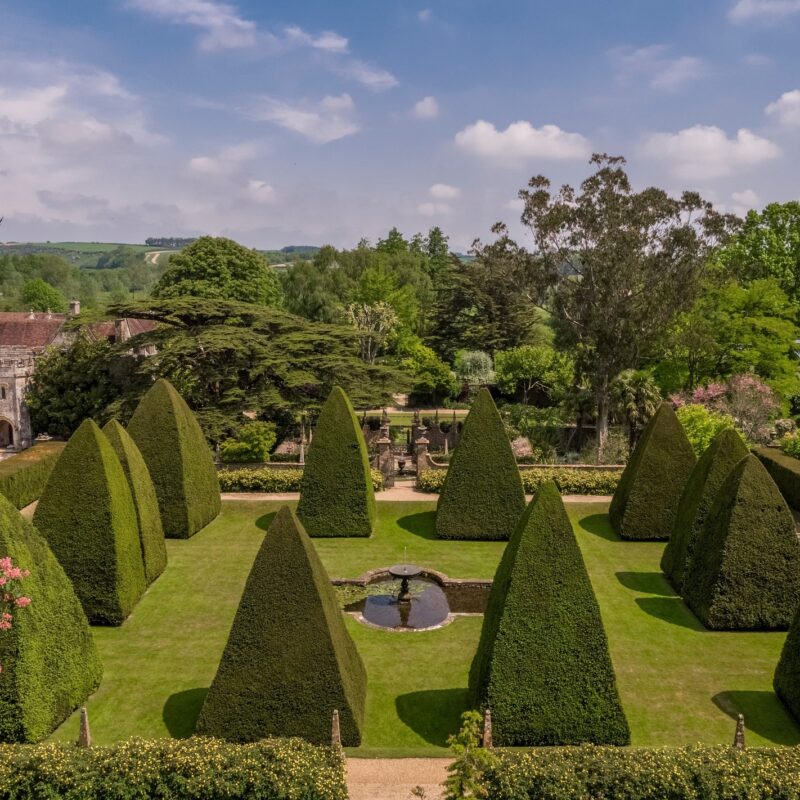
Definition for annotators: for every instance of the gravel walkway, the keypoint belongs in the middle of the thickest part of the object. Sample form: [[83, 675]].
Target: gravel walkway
[[394, 778], [397, 494]]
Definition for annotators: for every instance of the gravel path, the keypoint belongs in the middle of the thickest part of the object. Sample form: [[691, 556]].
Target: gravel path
[[394, 778], [397, 494]]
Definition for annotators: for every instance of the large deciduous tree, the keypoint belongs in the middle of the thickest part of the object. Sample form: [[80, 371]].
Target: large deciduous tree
[[616, 265]]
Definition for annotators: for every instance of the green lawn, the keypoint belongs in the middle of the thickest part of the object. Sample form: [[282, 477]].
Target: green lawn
[[679, 683]]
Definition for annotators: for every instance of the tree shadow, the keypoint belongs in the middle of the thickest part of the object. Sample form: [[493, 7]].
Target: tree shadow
[[265, 520], [433, 714], [422, 524], [763, 713], [181, 712], [646, 582], [599, 525], [672, 610]]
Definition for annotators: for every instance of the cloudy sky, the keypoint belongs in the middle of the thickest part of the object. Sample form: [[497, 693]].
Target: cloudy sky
[[307, 122]]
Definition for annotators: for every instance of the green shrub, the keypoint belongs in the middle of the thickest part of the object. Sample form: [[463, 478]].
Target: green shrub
[[172, 769], [784, 470], [179, 460], [252, 443], [431, 480], [726, 450], [745, 571], [790, 444], [151, 532], [273, 480], [289, 661], [482, 495], [787, 674], [24, 475], [50, 664], [87, 515], [668, 773], [646, 500], [568, 479], [336, 494], [542, 664], [702, 425]]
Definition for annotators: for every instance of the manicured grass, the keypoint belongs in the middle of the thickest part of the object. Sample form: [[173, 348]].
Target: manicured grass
[[679, 683]]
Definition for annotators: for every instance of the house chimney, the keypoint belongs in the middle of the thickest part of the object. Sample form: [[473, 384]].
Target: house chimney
[[119, 331], [74, 308]]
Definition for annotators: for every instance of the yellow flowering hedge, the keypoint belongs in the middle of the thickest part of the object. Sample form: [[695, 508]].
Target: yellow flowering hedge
[[609, 773], [171, 769], [568, 479], [272, 480]]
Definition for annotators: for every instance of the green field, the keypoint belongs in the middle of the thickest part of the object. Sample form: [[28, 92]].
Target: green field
[[679, 683]]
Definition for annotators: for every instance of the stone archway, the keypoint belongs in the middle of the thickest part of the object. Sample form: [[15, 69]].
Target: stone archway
[[6, 433]]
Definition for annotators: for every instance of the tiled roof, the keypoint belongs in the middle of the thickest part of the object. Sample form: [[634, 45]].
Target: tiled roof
[[107, 329], [24, 329]]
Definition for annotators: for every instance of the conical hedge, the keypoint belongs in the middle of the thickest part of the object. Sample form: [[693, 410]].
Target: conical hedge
[[179, 460], [745, 570], [482, 496], [50, 664], [542, 664], [712, 468], [336, 493], [645, 503], [87, 515], [289, 661], [787, 674], [151, 533]]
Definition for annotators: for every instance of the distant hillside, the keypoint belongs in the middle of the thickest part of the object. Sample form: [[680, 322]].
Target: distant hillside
[[82, 254], [301, 249]]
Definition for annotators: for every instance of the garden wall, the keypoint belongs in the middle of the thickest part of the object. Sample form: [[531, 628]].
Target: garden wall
[[785, 471], [24, 475]]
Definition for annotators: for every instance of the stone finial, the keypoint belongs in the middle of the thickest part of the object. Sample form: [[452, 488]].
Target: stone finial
[[336, 734], [84, 734], [738, 737], [486, 740]]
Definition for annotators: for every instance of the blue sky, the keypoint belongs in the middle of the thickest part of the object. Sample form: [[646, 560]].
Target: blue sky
[[310, 122]]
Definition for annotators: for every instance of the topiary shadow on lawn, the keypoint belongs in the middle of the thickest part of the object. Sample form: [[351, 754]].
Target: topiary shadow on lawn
[[182, 710], [646, 583], [672, 610], [763, 714], [265, 520], [422, 524], [599, 525], [433, 714]]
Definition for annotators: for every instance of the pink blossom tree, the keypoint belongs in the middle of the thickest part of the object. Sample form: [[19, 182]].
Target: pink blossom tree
[[11, 597]]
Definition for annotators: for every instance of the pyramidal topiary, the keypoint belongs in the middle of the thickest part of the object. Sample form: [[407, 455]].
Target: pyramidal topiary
[[645, 503], [179, 460], [542, 664], [289, 661], [50, 664], [151, 532], [745, 569], [87, 516], [712, 468], [482, 496], [786, 681], [336, 493]]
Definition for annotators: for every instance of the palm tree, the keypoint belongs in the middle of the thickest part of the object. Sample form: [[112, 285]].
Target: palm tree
[[635, 398]]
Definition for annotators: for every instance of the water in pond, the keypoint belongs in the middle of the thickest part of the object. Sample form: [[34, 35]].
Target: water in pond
[[429, 605]]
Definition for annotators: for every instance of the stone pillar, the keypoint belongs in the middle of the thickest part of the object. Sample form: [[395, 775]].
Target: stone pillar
[[386, 457], [384, 418], [738, 737], [487, 728], [336, 734], [84, 734], [421, 452]]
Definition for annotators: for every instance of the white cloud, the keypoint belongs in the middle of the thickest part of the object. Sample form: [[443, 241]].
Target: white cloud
[[329, 41], [677, 72], [786, 109], [325, 121], [757, 60], [229, 161], [521, 141], [746, 198], [424, 15], [769, 10], [434, 209], [222, 26], [373, 78], [663, 72], [442, 191], [427, 108], [260, 192], [517, 204], [705, 151]]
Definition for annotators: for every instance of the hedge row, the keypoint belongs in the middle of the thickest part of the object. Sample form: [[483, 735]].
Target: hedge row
[[785, 471], [172, 769], [24, 476], [569, 481], [608, 773], [273, 480]]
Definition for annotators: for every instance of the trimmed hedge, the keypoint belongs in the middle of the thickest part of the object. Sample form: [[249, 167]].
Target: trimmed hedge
[[289, 661], [273, 480], [745, 572], [668, 773], [50, 664], [482, 495], [87, 515], [172, 769], [786, 681], [24, 475], [725, 451], [145, 501], [645, 503], [179, 460], [568, 480], [542, 664], [785, 471], [336, 494]]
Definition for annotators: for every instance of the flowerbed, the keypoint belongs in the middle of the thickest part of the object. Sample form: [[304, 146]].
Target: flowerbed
[[272, 480], [568, 480]]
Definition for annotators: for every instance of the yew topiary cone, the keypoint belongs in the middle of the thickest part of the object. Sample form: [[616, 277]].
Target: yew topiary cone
[[645, 503], [482, 496], [289, 661], [86, 514], [179, 460], [336, 493], [542, 664]]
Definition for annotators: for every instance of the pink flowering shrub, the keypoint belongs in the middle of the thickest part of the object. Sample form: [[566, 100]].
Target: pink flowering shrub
[[10, 597]]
